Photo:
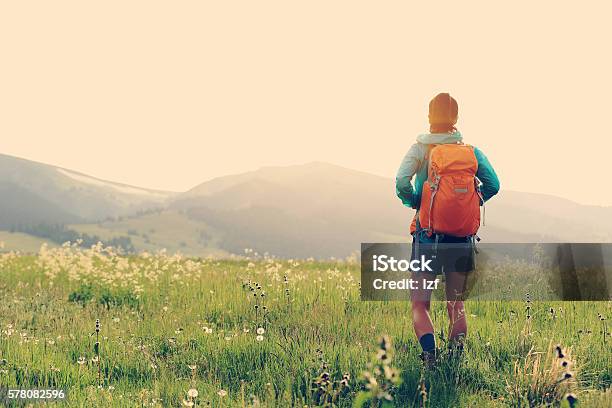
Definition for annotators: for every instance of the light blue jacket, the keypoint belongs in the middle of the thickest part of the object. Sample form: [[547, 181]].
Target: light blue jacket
[[415, 163]]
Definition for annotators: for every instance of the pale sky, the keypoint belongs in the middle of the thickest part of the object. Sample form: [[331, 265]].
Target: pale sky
[[169, 94]]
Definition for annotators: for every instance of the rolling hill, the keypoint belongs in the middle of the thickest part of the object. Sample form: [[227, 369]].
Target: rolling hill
[[319, 208], [316, 209], [34, 192]]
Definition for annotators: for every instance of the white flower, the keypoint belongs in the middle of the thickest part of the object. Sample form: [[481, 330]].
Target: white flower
[[192, 393], [187, 403], [260, 330], [259, 338], [222, 393]]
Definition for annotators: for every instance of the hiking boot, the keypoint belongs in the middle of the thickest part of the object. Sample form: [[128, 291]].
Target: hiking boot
[[455, 353], [455, 347], [429, 359]]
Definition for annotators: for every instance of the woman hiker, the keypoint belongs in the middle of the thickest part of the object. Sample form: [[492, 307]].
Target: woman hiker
[[452, 181]]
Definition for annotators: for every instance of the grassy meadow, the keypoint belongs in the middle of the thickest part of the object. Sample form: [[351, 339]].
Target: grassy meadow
[[259, 332]]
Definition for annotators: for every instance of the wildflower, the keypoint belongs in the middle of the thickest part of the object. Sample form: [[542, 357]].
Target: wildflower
[[260, 330], [382, 355], [390, 373], [559, 351], [51, 342], [259, 337], [81, 360], [116, 319], [345, 380], [192, 393], [385, 342], [192, 367], [187, 403], [222, 393], [165, 308]]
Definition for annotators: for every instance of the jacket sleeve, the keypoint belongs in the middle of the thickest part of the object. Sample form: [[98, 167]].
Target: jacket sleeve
[[486, 174], [403, 180]]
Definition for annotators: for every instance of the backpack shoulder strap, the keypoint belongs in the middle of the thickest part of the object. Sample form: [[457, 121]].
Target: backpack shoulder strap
[[429, 150]]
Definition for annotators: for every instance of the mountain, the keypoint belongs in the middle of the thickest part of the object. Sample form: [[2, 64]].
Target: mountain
[[323, 209], [315, 209], [34, 192]]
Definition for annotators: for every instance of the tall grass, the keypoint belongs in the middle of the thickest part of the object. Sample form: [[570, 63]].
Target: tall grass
[[263, 332]]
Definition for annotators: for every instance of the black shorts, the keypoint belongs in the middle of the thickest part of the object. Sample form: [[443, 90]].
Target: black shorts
[[448, 254]]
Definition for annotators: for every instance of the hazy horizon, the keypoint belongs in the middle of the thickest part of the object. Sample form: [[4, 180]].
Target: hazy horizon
[[272, 166], [166, 96]]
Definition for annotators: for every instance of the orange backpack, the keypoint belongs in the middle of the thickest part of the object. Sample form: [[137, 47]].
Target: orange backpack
[[450, 202]]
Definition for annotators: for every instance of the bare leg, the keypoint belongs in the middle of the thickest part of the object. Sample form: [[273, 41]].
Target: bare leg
[[421, 300], [455, 288]]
